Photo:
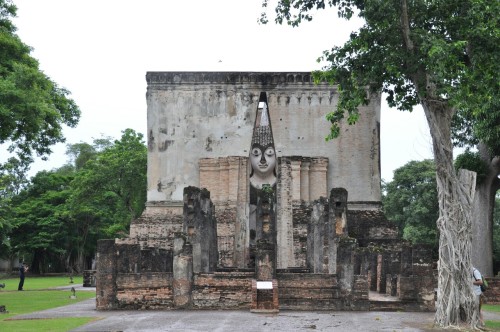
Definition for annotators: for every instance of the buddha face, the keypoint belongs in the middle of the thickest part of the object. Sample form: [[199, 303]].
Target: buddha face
[[263, 161]]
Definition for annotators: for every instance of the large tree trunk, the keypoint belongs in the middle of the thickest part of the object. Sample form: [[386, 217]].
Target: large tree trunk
[[482, 214], [455, 301]]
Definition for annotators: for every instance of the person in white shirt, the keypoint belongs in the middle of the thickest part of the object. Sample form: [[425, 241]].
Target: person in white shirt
[[477, 282]]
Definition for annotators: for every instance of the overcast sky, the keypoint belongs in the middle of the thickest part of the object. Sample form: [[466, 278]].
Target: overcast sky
[[101, 51]]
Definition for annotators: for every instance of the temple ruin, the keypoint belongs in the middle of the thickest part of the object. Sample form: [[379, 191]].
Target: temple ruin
[[250, 208]]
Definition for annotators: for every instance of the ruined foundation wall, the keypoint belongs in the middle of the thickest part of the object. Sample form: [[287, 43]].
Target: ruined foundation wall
[[157, 225], [223, 290], [301, 220], [140, 291]]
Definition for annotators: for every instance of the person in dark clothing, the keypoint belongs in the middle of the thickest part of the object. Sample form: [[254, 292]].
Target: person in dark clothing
[[23, 268]]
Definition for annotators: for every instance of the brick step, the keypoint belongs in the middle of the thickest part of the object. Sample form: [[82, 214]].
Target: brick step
[[386, 306]]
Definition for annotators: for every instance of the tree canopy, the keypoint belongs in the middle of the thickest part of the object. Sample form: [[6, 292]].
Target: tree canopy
[[33, 108], [410, 200], [59, 216]]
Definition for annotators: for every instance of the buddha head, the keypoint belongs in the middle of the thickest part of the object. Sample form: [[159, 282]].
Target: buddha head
[[262, 153]]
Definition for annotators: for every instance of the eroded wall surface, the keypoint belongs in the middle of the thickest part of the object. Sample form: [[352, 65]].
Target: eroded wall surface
[[193, 115]]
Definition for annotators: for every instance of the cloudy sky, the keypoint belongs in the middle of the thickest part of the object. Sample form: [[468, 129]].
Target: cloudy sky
[[101, 51]]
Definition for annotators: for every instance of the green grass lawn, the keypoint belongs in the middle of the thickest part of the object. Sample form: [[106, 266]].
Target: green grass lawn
[[492, 324], [36, 297], [491, 307], [37, 283]]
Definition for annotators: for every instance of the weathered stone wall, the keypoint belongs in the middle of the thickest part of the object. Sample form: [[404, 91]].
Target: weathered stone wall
[[193, 115]]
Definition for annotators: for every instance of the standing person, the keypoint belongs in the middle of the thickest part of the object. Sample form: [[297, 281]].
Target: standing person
[[23, 268], [478, 281]]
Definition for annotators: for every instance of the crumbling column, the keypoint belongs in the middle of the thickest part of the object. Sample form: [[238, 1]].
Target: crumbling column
[[381, 272], [345, 264], [336, 227], [106, 275], [317, 178], [266, 235], [182, 272], [295, 165], [284, 226], [201, 228], [304, 179], [316, 232]]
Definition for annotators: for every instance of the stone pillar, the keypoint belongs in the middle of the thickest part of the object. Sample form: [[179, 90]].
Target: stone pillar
[[238, 187], [265, 265], [337, 215], [318, 178], [381, 273], [296, 185], [316, 232], [201, 228], [373, 271], [182, 272], [106, 266], [265, 260], [304, 179], [285, 215], [345, 264], [223, 180]]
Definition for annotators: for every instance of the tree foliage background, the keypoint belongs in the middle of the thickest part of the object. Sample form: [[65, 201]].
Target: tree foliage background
[[33, 113], [410, 200], [58, 217]]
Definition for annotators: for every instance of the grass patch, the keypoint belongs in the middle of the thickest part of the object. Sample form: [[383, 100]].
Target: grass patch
[[29, 301], [52, 325], [36, 283], [36, 297], [491, 307], [493, 325]]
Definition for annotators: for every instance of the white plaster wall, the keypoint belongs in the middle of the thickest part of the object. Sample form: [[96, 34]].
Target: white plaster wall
[[208, 115]]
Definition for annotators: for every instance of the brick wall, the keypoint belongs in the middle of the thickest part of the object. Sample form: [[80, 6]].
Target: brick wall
[[144, 290], [226, 223], [308, 291], [301, 219], [223, 290], [492, 295]]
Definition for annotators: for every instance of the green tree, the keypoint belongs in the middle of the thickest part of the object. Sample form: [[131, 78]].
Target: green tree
[[443, 55], [33, 109], [59, 216], [12, 180], [40, 229], [410, 200], [109, 191]]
